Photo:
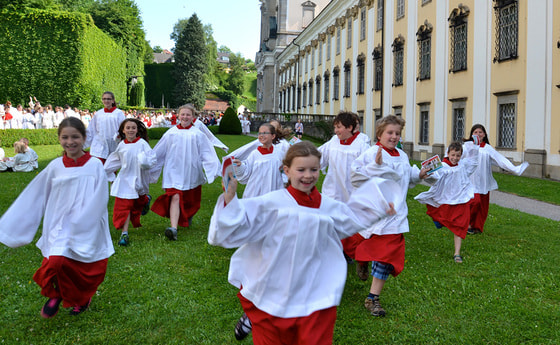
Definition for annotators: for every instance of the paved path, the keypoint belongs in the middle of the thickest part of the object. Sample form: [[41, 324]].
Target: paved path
[[526, 205]]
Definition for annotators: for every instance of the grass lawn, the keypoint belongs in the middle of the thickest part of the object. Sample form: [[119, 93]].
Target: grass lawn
[[162, 292]]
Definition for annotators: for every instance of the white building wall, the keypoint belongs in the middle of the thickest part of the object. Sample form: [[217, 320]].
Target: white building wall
[[482, 62], [441, 73], [411, 56]]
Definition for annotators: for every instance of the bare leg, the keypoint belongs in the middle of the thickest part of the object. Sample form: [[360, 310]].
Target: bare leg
[[376, 286], [125, 226], [174, 210], [457, 241]]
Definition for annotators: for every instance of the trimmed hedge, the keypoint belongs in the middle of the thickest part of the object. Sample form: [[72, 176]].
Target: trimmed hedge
[[230, 124], [36, 136], [59, 57], [159, 81]]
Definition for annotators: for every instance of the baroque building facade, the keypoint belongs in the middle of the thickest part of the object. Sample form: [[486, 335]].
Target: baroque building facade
[[443, 65]]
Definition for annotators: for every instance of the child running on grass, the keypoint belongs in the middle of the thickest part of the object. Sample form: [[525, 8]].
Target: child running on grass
[[188, 160], [71, 196], [134, 157], [383, 243], [289, 265], [448, 199]]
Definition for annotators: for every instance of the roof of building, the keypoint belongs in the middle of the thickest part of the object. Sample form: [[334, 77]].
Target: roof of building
[[215, 105], [164, 57]]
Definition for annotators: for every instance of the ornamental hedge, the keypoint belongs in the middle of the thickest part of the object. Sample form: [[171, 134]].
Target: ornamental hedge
[[58, 57], [159, 85]]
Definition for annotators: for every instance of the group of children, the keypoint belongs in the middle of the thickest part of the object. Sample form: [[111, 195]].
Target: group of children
[[24, 160], [293, 242]]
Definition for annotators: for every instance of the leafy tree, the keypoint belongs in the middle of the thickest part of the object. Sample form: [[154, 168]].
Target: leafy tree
[[212, 80], [236, 78], [224, 49], [157, 49], [191, 64]]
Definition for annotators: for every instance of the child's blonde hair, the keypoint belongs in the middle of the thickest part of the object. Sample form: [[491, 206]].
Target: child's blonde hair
[[19, 147], [383, 122], [189, 106]]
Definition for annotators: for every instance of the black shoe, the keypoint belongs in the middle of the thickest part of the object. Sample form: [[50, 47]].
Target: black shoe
[[51, 307], [146, 208], [79, 308], [243, 327]]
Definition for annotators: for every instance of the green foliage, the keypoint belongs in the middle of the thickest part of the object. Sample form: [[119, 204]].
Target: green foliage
[[327, 129], [230, 123], [137, 93], [156, 133], [235, 82], [191, 64], [59, 57], [36, 136], [159, 83], [214, 129], [157, 49]]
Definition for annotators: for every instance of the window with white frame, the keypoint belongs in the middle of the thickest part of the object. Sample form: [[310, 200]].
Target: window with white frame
[[329, 46], [398, 61], [377, 69], [424, 135], [397, 110], [458, 125], [338, 40], [507, 17], [347, 78], [424, 50], [363, 24], [379, 15], [400, 9], [349, 32], [318, 90], [507, 117], [310, 89], [326, 85], [361, 65], [336, 83]]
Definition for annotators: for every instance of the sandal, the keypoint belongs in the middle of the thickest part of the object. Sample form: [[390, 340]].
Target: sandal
[[458, 259]]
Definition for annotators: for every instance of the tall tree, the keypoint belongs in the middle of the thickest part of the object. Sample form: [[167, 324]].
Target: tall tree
[[236, 78], [191, 64]]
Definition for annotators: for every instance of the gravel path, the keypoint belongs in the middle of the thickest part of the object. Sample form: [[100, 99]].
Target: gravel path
[[526, 205]]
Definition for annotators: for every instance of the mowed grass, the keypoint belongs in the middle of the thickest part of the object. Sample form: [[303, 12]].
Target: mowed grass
[[162, 292]]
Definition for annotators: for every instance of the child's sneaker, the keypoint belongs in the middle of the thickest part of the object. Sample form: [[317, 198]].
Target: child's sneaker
[[146, 208], [438, 224], [243, 327], [374, 306], [124, 240], [51, 307], [79, 308], [171, 233]]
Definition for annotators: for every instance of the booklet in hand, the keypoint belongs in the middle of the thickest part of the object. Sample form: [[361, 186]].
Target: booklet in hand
[[432, 164], [227, 167]]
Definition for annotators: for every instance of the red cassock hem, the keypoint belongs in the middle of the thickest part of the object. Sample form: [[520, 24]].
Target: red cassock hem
[[189, 203], [454, 217], [73, 281], [124, 207], [388, 249]]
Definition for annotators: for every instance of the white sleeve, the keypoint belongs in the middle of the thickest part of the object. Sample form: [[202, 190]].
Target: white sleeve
[[504, 163]]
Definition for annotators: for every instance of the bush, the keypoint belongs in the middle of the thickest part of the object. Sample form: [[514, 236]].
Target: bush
[[59, 57], [156, 133], [230, 123], [36, 136], [326, 128], [214, 129]]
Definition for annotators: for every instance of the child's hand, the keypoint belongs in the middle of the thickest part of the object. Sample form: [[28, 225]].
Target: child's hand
[[232, 189], [379, 156], [391, 211], [237, 162], [423, 173]]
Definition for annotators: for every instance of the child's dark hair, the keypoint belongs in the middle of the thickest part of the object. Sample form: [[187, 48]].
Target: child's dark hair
[[281, 132], [272, 131], [474, 128], [142, 130], [72, 122], [301, 149], [455, 146], [385, 121], [347, 119], [112, 96]]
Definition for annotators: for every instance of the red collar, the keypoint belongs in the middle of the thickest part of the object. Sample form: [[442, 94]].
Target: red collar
[[312, 200], [349, 140], [181, 127], [71, 163], [193, 121], [265, 151], [131, 142], [482, 144], [110, 110], [448, 162], [393, 152]]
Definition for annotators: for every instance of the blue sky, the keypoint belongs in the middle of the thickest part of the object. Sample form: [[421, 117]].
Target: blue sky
[[236, 23]]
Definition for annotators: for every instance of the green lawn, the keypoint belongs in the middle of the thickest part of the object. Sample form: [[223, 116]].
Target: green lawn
[[162, 292]]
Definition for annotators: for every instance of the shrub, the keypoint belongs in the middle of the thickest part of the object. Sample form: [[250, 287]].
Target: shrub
[[35, 136], [214, 129], [326, 128], [156, 133], [230, 123]]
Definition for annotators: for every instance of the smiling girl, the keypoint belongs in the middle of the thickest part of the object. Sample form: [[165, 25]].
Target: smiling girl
[[188, 160], [134, 157], [70, 196], [289, 265]]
